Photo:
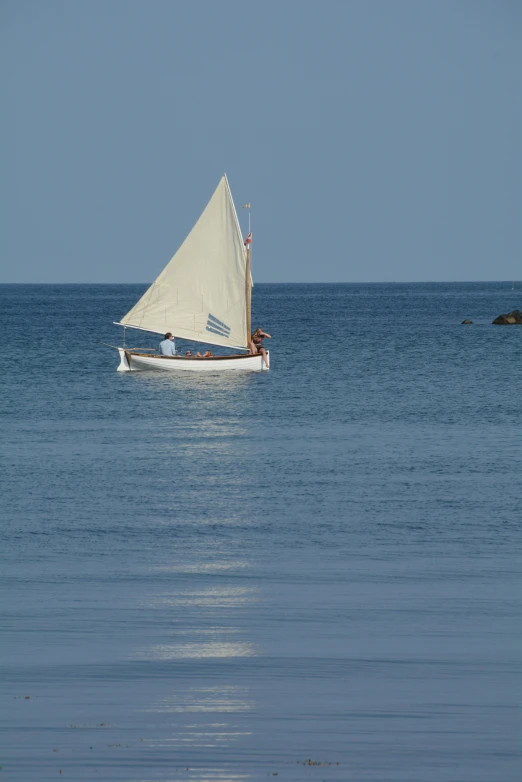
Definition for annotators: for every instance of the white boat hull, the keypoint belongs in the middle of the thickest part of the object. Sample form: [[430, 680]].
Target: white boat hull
[[132, 362]]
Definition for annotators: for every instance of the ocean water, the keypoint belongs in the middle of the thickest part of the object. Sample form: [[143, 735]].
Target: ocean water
[[311, 573]]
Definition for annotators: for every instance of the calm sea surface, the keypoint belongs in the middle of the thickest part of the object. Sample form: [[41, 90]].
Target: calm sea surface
[[224, 577]]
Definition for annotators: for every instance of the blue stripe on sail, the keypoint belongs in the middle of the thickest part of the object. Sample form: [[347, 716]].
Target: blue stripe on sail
[[212, 321], [218, 322], [217, 328], [221, 333]]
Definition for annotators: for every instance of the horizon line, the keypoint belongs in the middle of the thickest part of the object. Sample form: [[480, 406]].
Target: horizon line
[[294, 282]]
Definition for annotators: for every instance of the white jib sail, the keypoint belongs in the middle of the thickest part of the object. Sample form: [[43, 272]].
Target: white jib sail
[[200, 294]]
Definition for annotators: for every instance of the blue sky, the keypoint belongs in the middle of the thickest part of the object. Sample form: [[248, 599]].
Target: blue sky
[[377, 140]]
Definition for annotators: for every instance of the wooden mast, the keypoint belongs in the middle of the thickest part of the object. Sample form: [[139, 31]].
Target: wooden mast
[[248, 294], [248, 281]]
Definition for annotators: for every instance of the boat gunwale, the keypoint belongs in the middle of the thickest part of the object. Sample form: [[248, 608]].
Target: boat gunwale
[[194, 358]]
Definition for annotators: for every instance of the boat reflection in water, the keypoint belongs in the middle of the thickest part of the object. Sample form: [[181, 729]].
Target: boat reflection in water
[[200, 599]]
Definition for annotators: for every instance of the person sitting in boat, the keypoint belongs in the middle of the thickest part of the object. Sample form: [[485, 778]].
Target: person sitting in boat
[[256, 343], [188, 353], [208, 354], [167, 346]]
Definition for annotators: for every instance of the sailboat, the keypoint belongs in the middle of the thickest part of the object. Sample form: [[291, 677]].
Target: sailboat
[[202, 295]]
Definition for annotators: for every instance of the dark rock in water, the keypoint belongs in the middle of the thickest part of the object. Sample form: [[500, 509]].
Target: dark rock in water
[[511, 319], [466, 323]]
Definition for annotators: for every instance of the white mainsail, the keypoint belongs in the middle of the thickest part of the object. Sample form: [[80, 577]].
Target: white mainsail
[[201, 294]]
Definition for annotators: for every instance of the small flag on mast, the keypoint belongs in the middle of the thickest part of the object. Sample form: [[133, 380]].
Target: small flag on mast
[[248, 241], [246, 206]]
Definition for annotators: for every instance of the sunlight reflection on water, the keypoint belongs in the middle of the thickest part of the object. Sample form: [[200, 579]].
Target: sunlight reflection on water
[[212, 649], [216, 597], [218, 698], [202, 567]]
